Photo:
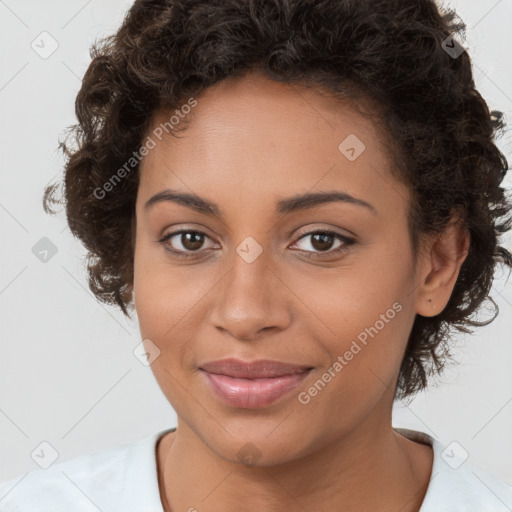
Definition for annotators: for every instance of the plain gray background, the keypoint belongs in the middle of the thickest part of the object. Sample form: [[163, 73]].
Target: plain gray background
[[68, 375]]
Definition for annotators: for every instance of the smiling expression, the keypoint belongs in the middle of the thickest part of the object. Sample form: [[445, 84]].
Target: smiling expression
[[258, 236]]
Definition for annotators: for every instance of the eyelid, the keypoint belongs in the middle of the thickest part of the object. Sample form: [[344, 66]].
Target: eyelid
[[179, 231], [325, 229], [346, 242]]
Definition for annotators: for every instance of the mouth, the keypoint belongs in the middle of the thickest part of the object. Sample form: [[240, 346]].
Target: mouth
[[252, 385]]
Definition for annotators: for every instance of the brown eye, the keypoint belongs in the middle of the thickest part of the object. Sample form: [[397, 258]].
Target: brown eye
[[191, 241], [185, 242], [322, 242]]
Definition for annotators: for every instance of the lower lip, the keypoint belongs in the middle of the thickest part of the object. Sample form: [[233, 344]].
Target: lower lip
[[252, 393]]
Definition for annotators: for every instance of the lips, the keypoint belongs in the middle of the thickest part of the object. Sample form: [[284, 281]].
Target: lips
[[261, 369], [252, 385]]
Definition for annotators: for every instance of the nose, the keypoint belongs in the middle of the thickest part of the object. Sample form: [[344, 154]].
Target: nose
[[252, 300]]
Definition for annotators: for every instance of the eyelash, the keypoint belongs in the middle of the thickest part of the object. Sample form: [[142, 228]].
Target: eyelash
[[347, 242]]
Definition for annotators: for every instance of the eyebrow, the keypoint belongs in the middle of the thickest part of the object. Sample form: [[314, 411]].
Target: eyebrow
[[288, 205]]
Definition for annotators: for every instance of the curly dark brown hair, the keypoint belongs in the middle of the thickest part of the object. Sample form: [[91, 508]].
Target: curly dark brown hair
[[397, 53]]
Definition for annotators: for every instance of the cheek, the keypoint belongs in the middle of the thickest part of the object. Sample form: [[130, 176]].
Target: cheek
[[359, 314], [152, 292], [347, 300], [364, 351], [169, 302], [164, 303]]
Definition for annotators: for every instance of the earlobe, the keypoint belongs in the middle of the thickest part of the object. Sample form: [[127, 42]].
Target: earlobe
[[433, 305], [426, 307]]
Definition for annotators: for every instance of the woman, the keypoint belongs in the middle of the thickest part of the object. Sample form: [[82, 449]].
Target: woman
[[299, 200]]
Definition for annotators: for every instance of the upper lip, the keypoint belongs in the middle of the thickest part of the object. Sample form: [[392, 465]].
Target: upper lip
[[260, 369]]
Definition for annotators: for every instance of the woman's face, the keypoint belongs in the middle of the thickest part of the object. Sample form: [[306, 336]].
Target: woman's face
[[257, 283]]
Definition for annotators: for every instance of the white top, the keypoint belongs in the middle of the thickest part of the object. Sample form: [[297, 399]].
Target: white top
[[124, 479]]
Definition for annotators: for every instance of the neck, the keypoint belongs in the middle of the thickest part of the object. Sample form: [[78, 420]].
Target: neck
[[362, 470]]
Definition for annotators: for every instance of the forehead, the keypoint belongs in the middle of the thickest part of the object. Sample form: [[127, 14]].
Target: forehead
[[256, 105], [255, 134]]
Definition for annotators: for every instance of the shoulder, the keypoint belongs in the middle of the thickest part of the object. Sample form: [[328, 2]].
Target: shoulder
[[459, 485], [69, 485], [466, 488], [90, 482]]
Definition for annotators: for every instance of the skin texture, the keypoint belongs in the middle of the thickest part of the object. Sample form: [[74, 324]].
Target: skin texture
[[250, 143]]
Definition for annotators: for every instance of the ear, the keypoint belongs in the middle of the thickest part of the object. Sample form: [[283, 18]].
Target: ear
[[440, 266]]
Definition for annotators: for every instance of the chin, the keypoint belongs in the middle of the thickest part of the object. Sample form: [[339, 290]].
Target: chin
[[252, 442]]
